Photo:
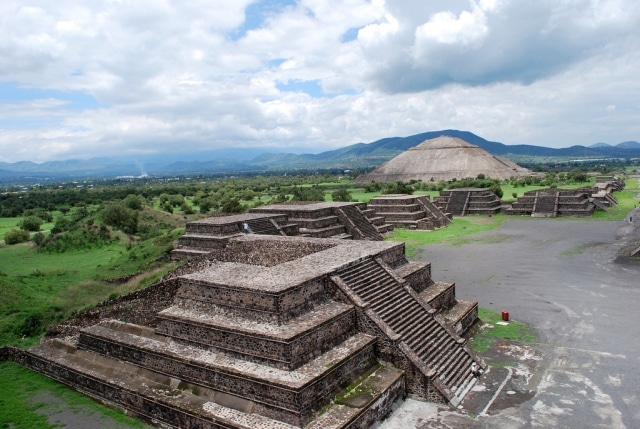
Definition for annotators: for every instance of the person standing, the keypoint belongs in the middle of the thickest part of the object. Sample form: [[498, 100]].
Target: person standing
[[245, 228]]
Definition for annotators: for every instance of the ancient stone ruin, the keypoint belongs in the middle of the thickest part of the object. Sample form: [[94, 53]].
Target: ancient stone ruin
[[464, 201], [553, 203], [443, 158], [275, 331], [315, 219], [408, 211]]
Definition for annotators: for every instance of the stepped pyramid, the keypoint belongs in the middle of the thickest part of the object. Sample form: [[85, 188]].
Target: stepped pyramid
[[279, 332], [443, 158]]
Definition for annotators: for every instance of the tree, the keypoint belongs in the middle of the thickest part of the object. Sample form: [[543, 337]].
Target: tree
[[31, 223], [133, 202], [397, 188], [232, 206], [313, 193], [496, 189], [121, 217], [341, 195]]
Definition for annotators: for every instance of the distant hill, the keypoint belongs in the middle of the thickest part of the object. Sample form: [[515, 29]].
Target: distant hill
[[629, 145], [359, 155]]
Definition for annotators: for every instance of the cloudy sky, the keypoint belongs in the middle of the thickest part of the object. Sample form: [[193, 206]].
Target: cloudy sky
[[81, 79]]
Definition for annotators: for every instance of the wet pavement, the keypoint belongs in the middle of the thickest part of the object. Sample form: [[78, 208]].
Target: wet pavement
[[565, 279]]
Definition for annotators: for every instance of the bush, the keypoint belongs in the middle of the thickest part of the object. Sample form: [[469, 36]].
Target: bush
[[76, 239], [31, 326], [61, 224], [496, 189], [133, 202], [341, 195], [31, 223], [16, 236], [120, 217], [38, 238], [397, 188]]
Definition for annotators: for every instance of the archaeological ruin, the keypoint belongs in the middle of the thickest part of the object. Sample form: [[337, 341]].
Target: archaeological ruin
[[443, 158], [277, 329]]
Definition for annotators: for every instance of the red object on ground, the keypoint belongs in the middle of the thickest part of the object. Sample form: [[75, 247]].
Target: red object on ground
[[505, 316]]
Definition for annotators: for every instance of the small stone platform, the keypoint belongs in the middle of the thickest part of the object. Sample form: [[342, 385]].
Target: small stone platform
[[408, 211], [464, 201]]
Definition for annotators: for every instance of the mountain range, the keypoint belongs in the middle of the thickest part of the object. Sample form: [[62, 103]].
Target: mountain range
[[359, 155]]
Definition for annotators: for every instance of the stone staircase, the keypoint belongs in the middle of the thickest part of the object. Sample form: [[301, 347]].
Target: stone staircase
[[460, 202], [408, 211], [358, 224], [379, 222], [553, 203], [264, 226], [445, 355], [329, 220]]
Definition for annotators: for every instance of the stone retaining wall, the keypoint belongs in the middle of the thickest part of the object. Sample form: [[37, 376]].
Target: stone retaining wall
[[274, 306], [287, 353], [289, 404]]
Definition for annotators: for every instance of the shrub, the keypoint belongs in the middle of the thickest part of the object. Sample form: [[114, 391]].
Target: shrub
[[120, 217], [133, 202], [31, 223], [496, 189], [16, 236], [31, 326], [38, 238], [341, 195], [78, 238]]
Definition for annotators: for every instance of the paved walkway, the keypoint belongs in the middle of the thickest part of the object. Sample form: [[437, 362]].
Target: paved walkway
[[561, 277]]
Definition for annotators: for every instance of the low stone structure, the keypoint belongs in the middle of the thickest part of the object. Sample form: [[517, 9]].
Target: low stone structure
[[267, 334], [307, 219], [464, 201], [553, 203], [408, 211]]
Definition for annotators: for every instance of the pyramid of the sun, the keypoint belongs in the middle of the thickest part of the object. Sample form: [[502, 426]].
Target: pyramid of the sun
[[443, 158]]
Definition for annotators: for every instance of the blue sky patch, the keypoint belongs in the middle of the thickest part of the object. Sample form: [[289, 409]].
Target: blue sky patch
[[311, 87], [349, 35], [276, 62], [11, 92], [256, 13]]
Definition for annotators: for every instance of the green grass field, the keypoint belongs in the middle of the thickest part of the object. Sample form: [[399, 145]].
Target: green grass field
[[28, 400]]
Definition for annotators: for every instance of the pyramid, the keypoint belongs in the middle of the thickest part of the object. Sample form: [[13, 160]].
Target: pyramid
[[443, 158]]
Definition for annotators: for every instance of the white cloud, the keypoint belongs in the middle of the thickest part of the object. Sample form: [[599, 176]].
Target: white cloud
[[176, 76]]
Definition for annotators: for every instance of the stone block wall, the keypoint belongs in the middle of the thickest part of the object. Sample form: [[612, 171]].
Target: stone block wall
[[273, 306], [281, 401], [420, 279], [283, 353]]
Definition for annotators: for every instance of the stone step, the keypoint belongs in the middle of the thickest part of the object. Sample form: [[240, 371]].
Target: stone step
[[404, 314], [439, 295], [411, 321], [393, 310], [283, 345], [363, 274], [175, 403], [289, 394]]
